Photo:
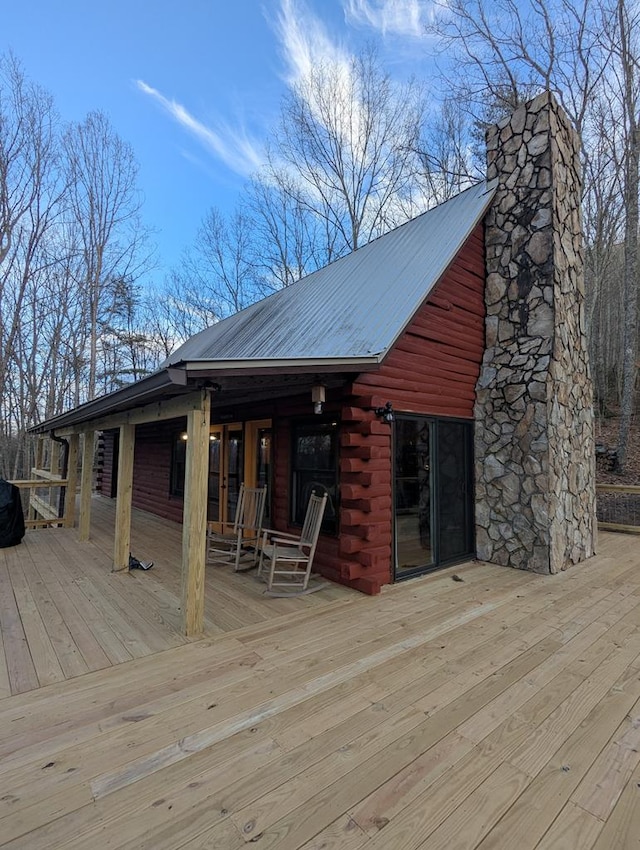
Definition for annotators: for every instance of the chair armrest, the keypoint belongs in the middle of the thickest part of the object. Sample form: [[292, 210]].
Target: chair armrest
[[287, 541], [282, 535]]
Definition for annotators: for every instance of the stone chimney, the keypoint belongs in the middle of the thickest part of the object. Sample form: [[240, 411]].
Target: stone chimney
[[534, 443]]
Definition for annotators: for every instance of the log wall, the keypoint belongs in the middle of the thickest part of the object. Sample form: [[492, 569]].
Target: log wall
[[432, 370], [151, 468]]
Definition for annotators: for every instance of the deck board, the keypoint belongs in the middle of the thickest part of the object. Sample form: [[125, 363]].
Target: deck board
[[499, 711]]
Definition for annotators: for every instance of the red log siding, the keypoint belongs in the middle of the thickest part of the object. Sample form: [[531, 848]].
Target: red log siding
[[106, 473], [432, 369], [152, 469]]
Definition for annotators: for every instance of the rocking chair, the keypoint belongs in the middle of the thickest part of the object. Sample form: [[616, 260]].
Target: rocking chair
[[286, 559], [229, 547]]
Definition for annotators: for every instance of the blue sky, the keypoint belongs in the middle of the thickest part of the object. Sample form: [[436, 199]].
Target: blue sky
[[195, 86]]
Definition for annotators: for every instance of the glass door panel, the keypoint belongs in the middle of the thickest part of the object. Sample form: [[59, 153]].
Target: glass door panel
[[234, 468], [454, 490], [225, 471], [413, 502], [433, 493], [215, 474]]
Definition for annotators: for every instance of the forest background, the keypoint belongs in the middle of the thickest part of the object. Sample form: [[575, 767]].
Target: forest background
[[354, 154]]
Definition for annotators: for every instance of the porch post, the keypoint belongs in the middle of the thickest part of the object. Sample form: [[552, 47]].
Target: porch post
[[72, 478], [85, 485], [37, 465], [122, 543], [194, 527], [54, 469]]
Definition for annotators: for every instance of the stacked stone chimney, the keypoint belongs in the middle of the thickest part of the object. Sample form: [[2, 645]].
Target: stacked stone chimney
[[534, 445]]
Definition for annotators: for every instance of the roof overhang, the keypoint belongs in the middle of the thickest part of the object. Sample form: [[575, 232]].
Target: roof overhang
[[170, 392], [274, 366]]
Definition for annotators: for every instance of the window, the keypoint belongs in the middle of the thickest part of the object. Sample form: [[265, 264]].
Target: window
[[178, 464], [314, 466]]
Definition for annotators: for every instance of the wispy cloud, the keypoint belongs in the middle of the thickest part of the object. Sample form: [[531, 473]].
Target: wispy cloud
[[305, 41], [235, 149], [391, 17]]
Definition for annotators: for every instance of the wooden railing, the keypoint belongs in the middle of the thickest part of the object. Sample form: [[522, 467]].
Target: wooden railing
[[618, 507], [43, 511]]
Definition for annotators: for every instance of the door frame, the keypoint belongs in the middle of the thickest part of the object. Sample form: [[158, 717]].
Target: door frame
[[437, 563], [249, 429]]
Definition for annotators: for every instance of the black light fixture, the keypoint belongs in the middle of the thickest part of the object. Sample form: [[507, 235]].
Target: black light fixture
[[385, 413], [318, 395]]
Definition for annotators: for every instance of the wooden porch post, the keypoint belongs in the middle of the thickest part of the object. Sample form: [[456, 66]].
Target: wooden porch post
[[85, 485], [72, 479], [194, 520], [53, 493], [37, 465], [122, 543]]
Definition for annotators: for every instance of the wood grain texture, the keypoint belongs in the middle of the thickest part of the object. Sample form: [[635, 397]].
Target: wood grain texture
[[501, 711]]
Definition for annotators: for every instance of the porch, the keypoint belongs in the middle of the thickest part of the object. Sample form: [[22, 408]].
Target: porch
[[63, 612], [500, 709]]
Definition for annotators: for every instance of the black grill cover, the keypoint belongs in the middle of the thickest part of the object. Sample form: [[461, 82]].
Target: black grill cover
[[11, 516]]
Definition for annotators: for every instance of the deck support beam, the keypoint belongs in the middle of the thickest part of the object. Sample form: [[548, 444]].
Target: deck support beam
[[122, 543], [194, 523], [86, 481]]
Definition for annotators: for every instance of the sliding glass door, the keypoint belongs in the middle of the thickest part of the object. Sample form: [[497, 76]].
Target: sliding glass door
[[433, 507]]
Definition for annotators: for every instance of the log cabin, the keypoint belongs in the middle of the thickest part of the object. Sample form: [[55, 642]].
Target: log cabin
[[434, 383]]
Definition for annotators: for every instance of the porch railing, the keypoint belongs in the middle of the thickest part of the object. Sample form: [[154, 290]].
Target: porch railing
[[45, 499], [618, 507]]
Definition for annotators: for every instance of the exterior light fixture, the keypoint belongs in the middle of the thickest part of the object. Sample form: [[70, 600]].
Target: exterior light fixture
[[318, 396], [184, 436], [385, 413]]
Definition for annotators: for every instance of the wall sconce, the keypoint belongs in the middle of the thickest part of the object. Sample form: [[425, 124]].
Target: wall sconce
[[184, 436], [385, 413], [318, 396]]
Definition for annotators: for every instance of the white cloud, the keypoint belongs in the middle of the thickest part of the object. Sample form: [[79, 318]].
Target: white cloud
[[305, 41], [391, 17], [235, 149]]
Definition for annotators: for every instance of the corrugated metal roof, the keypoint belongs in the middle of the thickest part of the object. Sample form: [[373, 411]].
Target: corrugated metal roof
[[343, 317], [357, 306]]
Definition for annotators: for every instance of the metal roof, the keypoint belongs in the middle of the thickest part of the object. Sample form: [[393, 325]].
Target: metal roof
[[356, 307], [344, 317]]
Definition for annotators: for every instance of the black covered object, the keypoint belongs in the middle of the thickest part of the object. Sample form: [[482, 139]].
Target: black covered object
[[11, 516]]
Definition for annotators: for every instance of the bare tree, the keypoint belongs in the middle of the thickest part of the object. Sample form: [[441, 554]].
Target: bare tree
[[30, 210], [105, 204], [287, 234], [448, 161], [622, 32], [29, 195], [346, 144]]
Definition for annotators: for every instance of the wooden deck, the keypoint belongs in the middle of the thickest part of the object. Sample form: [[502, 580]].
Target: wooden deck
[[64, 613], [500, 711]]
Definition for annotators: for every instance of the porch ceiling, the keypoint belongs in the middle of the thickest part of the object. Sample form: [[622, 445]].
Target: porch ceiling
[[163, 399]]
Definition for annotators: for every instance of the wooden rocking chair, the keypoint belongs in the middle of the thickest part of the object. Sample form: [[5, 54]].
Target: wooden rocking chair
[[229, 547], [286, 559]]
